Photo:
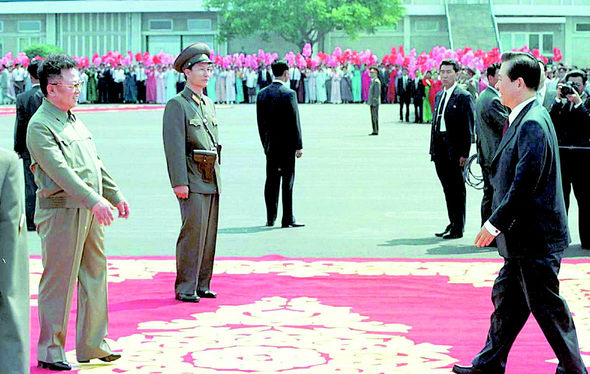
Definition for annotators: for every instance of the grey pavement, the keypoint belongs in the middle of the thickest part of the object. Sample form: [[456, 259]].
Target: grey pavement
[[359, 195]]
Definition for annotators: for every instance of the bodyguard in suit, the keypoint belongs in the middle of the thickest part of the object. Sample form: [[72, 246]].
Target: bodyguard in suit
[[450, 143], [75, 200], [14, 270], [571, 116], [490, 117], [27, 104], [418, 94], [530, 226], [404, 92], [191, 143], [280, 132], [374, 99]]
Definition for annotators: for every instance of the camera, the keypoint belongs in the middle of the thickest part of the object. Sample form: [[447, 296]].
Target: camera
[[567, 89]]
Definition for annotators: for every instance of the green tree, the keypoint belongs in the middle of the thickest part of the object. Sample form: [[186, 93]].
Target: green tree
[[41, 50], [303, 21]]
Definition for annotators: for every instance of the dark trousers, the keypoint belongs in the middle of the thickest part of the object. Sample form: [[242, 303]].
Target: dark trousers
[[375, 118], [488, 193], [279, 167], [418, 108], [195, 248], [103, 94], [525, 286], [141, 91], [451, 178], [404, 101], [30, 192], [574, 175]]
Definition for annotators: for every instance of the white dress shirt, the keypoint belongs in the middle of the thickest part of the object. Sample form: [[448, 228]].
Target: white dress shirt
[[449, 92]]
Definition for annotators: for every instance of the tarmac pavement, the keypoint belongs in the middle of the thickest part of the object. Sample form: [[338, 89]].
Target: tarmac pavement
[[359, 195]]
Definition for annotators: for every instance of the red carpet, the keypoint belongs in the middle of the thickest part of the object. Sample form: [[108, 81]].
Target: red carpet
[[312, 316]]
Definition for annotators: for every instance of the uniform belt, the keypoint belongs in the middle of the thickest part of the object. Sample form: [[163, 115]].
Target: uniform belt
[[58, 202]]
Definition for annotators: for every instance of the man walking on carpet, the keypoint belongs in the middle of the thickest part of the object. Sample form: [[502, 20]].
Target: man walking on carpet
[[529, 223]]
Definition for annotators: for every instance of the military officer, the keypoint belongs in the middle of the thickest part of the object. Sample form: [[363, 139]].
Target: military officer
[[190, 132], [75, 200], [14, 269]]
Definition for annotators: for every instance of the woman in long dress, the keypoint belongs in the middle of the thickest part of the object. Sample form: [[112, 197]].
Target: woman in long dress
[[211, 90], [171, 77], [335, 97], [356, 84], [239, 86], [391, 87], [160, 86], [321, 86], [83, 98], [91, 86], [230, 86], [365, 84], [313, 89], [426, 110], [151, 86], [346, 86]]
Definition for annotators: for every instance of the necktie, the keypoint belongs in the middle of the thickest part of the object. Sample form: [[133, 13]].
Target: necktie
[[439, 110], [506, 125]]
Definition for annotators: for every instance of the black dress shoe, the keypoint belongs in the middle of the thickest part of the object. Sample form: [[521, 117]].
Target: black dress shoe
[[56, 366], [207, 294], [453, 235], [292, 224], [270, 223], [187, 297], [110, 358], [441, 234], [373, 133], [466, 370]]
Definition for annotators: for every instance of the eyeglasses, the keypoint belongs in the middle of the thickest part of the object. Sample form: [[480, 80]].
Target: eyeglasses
[[75, 86], [206, 70]]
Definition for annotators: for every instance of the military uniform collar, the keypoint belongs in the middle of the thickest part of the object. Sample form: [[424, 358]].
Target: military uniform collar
[[191, 95], [59, 114]]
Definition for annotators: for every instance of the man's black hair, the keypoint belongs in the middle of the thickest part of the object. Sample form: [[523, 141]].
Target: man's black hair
[[492, 69], [51, 69], [576, 73], [449, 62], [523, 65], [33, 69], [278, 67]]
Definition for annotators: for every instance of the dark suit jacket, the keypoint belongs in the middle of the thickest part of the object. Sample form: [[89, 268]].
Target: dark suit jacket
[[278, 119], [401, 90], [528, 205], [419, 92], [27, 104], [458, 121], [572, 124], [490, 116]]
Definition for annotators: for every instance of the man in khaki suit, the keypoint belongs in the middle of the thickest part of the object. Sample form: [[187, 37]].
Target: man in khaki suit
[[14, 269], [190, 125], [374, 99], [75, 200]]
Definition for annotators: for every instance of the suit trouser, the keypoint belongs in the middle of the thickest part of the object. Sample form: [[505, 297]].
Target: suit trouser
[[72, 242], [195, 248], [574, 175], [452, 180], [375, 118], [141, 91], [418, 108], [279, 167], [30, 192], [525, 286], [488, 193], [404, 101]]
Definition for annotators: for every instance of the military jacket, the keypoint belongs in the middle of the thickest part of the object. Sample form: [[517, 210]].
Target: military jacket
[[65, 164], [190, 124]]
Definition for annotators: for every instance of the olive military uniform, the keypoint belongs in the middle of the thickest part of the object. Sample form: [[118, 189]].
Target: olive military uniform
[[190, 124], [14, 269], [71, 178]]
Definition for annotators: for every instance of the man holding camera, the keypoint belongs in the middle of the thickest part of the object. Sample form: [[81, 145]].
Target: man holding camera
[[571, 116]]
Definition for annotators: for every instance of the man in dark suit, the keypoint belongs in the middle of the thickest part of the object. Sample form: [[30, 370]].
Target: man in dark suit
[[27, 104], [404, 92], [418, 94], [490, 117], [571, 116], [374, 99], [530, 226], [280, 133], [384, 73], [450, 143], [14, 269]]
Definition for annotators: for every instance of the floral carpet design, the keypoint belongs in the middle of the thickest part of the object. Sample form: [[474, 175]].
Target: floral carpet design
[[312, 316]]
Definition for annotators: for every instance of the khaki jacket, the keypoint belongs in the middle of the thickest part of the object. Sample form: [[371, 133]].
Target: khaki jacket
[[65, 164], [185, 127]]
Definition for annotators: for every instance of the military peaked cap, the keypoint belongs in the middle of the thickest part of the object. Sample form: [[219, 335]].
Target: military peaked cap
[[193, 54]]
